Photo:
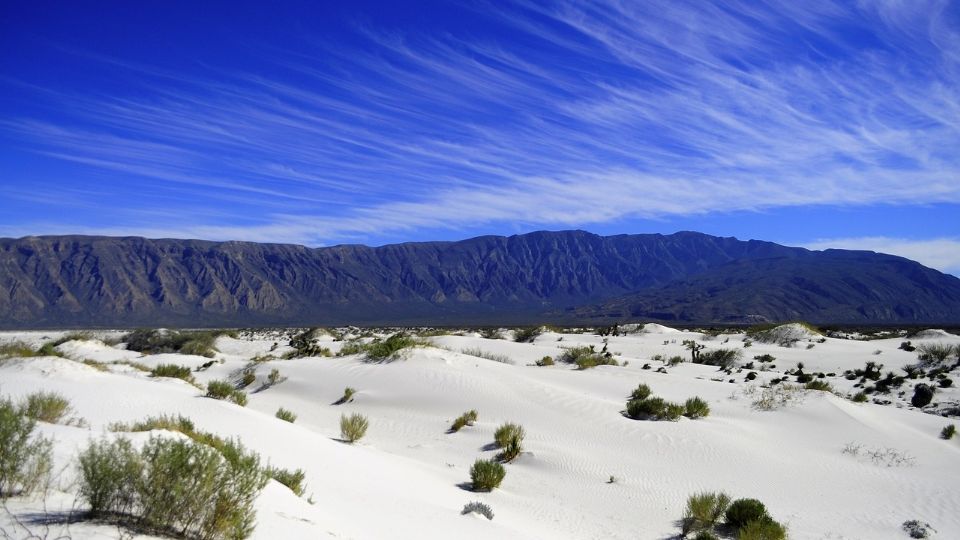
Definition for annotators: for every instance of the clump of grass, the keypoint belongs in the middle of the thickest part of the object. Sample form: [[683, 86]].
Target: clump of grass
[[696, 407], [286, 415], [293, 479], [390, 348], [822, 386], [743, 511], [509, 438], [26, 458], [724, 358], [477, 508], [465, 419], [480, 353], [48, 349], [248, 377], [151, 341], [934, 354], [859, 397], [17, 349], [641, 392], [486, 475], [528, 334], [353, 427], [305, 344], [49, 407], [173, 371], [948, 432], [347, 397], [704, 511], [776, 397], [762, 529], [225, 391], [545, 361], [586, 357], [173, 486]]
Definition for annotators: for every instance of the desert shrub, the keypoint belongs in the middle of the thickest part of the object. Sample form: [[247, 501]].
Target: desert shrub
[[110, 472], [642, 391], [674, 360], [274, 378], [907, 346], [480, 353], [705, 535], [586, 357], [486, 475], [389, 349], [49, 407], [292, 479], [859, 397], [545, 361], [704, 510], [286, 415], [173, 371], [672, 412], [352, 347], [509, 438], [347, 397], [934, 354], [946, 382], [696, 407], [225, 390], [922, 395], [17, 349], [353, 427], [25, 458], [764, 528], [917, 529], [948, 432], [465, 419], [776, 397], [491, 333], [199, 344], [725, 358], [174, 486], [248, 377], [743, 511], [477, 507], [305, 345], [48, 349], [765, 358], [823, 386], [527, 335], [640, 409]]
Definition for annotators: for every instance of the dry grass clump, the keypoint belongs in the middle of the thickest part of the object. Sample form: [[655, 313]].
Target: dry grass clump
[[509, 438], [353, 427], [486, 475], [225, 391], [465, 419]]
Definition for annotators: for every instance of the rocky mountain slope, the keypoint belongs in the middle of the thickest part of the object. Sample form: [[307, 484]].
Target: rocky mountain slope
[[107, 281]]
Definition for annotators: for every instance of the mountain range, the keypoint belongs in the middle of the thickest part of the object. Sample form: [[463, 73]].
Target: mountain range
[[561, 277]]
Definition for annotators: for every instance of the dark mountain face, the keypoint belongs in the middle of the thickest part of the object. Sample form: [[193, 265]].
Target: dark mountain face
[[103, 281]]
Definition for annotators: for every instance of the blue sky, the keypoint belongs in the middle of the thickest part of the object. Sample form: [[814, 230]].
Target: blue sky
[[807, 123]]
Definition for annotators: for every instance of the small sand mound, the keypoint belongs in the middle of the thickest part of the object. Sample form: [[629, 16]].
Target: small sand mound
[[933, 333], [785, 334]]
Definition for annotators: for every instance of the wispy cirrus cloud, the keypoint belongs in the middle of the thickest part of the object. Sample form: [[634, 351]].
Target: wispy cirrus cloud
[[596, 111]]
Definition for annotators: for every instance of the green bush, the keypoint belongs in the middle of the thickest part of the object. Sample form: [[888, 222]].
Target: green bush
[[545, 361], [248, 377], [922, 395], [641, 392], [672, 412], [173, 371], [49, 407], [17, 349], [641, 409], [25, 458], [527, 335], [347, 397], [509, 438], [948, 432], [353, 427], [725, 358], [225, 390], [291, 479], [48, 349], [286, 415], [110, 473], [149, 341], [486, 475], [705, 535], [704, 511], [859, 397], [389, 349], [274, 378], [696, 407], [764, 528], [743, 511], [465, 419], [822, 386], [174, 486]]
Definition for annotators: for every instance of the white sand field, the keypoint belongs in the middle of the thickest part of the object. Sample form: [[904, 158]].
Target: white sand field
[[409, 477]]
